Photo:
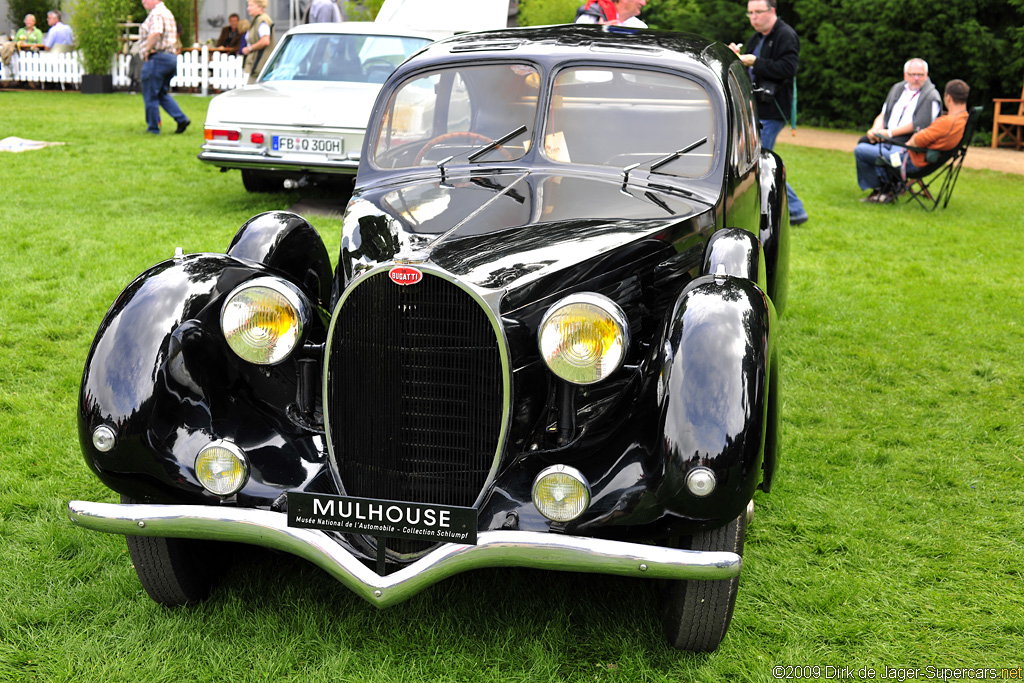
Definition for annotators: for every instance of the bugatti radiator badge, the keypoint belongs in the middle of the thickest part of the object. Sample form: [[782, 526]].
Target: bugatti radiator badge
[[405, 275]]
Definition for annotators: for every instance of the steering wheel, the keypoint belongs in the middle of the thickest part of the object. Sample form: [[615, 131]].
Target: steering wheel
[[377, 69], [463, 135]]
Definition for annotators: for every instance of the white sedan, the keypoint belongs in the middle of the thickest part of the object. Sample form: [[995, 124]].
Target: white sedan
[[304, 120], [307, 114]]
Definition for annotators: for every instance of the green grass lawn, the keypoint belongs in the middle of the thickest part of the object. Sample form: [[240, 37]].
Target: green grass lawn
[[892, 537]]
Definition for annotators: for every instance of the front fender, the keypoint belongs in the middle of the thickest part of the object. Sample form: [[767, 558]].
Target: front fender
[[774, 231], [286, 242], [160, 375], [714, 395]]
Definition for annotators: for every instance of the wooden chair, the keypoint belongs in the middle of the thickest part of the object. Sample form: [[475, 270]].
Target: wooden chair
[[1008, 125]]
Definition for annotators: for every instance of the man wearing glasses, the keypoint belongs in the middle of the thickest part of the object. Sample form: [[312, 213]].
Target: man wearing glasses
[[911, 105], [772, 56]]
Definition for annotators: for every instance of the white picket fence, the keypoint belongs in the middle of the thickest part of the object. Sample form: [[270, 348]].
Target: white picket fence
[[200, 69]]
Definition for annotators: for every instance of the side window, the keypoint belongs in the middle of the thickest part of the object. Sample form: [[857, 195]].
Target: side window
[[744, 118]]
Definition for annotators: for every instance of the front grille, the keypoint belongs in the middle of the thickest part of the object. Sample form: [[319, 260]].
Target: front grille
[[415, 394]]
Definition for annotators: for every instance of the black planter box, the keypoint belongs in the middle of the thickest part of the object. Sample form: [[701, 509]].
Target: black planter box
[[93, 84]]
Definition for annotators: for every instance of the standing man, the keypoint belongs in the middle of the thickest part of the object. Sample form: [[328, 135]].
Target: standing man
[[159, 38], [324, 11], [911, 105], [59, 33], [772, 58], [259, 41]]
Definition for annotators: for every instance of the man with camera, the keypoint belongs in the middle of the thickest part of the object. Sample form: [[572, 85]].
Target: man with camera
[[772, 56]]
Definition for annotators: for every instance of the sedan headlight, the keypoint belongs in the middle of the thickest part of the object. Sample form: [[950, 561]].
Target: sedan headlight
[[263, 319], [583, 338]]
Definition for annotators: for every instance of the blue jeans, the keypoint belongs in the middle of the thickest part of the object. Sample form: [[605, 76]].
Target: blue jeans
[[157, 73], [769, 131], [870, 176]]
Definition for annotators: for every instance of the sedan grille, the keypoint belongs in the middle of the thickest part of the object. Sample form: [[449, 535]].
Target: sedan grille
[[415, 393]]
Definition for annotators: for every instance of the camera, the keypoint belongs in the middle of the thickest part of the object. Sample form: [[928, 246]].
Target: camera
[[764, 91]]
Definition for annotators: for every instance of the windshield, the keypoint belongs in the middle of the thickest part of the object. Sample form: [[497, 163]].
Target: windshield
[[450, 112], [619, 117], [353, 58]]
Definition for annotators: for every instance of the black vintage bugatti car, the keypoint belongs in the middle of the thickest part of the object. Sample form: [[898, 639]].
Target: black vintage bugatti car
[[550, 340]]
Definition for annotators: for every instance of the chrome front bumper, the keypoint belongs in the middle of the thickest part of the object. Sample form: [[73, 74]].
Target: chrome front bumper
[[493, 549]]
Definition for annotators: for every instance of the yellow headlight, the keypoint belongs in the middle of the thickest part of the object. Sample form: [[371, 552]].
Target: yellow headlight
[[262, 320], [583, 338], [221, 468], [561, 493]]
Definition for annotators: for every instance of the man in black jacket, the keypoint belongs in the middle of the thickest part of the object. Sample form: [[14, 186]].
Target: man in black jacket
[[772, 56]]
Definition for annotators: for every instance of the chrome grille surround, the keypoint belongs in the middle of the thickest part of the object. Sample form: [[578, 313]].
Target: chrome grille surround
[[385, 387]]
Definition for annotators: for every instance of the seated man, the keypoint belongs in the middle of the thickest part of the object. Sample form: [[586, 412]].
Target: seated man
[[911, 105], [59, 33], [27, 38], [230, 39], [944, 134]]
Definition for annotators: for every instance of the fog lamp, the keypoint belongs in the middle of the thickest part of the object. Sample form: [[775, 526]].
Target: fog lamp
[[583, 338], [103, 439], [561, 493], [262, 320], [222, 468], [701, 482]]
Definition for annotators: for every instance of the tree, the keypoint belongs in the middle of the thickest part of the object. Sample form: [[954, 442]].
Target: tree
[[17, 9], [94, 23]]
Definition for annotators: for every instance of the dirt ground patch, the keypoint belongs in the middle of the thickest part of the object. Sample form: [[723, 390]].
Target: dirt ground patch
[[1005, 160]]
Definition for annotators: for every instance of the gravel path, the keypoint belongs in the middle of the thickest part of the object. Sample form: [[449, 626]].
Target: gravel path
[[1006, 159]]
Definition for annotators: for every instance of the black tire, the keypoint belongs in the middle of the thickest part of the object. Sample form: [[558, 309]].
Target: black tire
[[697, 613], [254, 181], [176, 571]]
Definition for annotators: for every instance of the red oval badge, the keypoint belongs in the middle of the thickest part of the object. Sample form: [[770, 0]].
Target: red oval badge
[[405, 275]]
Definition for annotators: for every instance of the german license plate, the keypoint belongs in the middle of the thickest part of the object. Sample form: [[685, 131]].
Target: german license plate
[[294, 143], [386, 518]]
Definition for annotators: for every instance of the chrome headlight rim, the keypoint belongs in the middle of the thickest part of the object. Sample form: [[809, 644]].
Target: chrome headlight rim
[[609, 308], [292, 296], [240, 458], [570, 472]]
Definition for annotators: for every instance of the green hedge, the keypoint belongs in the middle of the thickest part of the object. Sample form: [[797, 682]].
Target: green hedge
[[17, 9]]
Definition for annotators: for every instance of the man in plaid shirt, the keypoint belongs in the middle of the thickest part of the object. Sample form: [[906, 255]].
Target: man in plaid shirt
[[159, 37]]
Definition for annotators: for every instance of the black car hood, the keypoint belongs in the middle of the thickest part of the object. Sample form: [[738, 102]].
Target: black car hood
[[501, 230]]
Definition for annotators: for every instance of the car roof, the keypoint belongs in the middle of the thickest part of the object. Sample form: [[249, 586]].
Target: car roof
[[573, 41]]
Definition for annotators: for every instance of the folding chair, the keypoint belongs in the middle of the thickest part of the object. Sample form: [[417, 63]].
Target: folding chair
[[933, 184]]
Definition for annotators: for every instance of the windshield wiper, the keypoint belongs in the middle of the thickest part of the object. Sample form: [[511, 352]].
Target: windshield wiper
[[477, 152], [661, 161]]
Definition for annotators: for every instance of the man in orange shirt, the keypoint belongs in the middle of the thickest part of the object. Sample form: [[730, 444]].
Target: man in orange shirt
[[946, 131], [943, 134]]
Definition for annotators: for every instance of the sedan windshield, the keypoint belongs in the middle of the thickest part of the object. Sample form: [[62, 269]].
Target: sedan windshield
[[353, 58]]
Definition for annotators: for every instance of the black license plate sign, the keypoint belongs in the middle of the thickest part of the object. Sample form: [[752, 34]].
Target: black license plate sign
[[386, 518]]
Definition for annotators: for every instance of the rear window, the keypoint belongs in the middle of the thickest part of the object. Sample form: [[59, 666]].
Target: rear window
[[340, 57]]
